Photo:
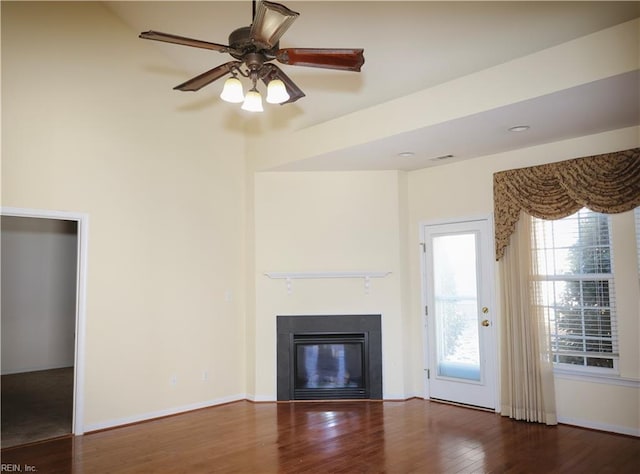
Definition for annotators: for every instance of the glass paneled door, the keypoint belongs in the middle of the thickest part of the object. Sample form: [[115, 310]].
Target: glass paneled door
[[460, 331]]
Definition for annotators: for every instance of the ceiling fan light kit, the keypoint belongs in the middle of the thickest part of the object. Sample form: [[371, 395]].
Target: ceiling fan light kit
[[252, 101], [254, 47], [277, 92], [232, 91]]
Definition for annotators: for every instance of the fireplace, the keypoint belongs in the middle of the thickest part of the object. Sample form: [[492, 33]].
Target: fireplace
[[329, 357]]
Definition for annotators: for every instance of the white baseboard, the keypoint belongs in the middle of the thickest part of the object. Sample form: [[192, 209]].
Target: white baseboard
[[392, 397], [160, 413], [261, 398], [625, 430]]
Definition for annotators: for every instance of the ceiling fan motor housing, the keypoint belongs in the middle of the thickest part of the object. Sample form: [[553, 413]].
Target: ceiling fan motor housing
[[241, 43]]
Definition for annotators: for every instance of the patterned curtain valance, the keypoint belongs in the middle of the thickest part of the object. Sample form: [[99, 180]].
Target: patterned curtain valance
[[608, 183]]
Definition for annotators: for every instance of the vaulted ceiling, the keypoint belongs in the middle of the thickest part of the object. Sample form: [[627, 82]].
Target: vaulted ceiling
[[409, 47]]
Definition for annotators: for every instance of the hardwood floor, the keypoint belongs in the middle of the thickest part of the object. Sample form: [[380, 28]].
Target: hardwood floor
[[415, 436]]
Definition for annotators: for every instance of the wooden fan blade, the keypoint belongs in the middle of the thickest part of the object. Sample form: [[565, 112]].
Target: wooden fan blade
[[208, 77], [169, 38], [342, 59], [293, 90]]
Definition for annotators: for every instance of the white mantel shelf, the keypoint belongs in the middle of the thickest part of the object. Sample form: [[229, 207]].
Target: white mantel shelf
[[297, 275], [289, 276]]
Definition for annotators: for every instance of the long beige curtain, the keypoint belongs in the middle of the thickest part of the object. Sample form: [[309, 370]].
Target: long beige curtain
[[608, 183], [526, 371]]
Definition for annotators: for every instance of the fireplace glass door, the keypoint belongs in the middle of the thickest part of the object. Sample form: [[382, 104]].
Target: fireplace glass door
[[329, 366]]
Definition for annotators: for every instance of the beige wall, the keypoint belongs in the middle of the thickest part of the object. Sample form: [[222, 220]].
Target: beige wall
[[465, 189], [89, 127], [330, 222]]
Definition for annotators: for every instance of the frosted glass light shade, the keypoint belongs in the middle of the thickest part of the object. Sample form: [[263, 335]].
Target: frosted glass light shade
[[253, 101], [232, 91], [277, 92]]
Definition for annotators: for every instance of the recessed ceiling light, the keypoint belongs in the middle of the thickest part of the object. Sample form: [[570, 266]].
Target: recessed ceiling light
[[519, 128], [406, 154]]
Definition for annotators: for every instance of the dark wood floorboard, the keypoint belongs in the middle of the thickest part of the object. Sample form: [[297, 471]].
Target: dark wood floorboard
[[415, 436]]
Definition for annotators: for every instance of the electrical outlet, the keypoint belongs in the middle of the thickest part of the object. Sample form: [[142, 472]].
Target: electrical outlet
[[174, 379], [205, 375]]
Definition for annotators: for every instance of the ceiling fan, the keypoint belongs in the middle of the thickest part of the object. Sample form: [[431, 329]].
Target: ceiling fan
[[254, 48]]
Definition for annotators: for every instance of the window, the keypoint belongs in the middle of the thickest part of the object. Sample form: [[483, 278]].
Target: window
[[576, 289]]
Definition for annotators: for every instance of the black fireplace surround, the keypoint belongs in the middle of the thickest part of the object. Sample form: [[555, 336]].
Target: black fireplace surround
[[333, 357]]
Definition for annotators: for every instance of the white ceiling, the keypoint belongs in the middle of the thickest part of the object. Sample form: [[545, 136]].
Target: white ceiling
[[409, 46]]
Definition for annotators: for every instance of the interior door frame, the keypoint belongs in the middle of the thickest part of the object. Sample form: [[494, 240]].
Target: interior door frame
[[492, 297], [82, 220]]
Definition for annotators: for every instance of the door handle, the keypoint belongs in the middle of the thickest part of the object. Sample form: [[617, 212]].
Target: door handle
[[486, 323]]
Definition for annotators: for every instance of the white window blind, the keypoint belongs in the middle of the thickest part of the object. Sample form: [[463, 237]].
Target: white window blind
[[576, 288]]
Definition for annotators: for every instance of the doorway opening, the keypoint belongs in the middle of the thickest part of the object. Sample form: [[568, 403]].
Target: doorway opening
[[43, 316]]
